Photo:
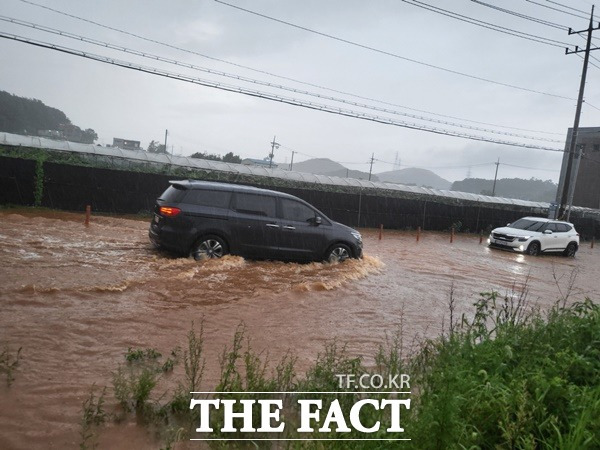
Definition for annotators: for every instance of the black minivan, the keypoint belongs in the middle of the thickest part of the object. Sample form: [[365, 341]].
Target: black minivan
[[210, 220]]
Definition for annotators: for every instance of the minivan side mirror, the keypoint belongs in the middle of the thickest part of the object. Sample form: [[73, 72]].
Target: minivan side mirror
[[317, 220]]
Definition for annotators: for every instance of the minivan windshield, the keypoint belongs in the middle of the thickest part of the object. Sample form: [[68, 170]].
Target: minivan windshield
[[526, 224]]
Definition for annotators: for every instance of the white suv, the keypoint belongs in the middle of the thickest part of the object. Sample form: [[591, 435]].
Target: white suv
[[535, 235]]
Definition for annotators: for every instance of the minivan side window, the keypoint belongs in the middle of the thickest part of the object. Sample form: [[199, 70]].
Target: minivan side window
[[202, 197], [296, 211], [260, 205]]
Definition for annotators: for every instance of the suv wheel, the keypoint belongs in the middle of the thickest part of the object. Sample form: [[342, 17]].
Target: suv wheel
[[570, 250], [209, 247], [338, 253], [534, 248]]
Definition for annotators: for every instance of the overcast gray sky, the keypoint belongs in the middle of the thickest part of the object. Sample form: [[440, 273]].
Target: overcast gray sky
[[118, 102]]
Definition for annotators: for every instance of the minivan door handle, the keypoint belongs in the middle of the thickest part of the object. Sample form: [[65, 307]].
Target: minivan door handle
[[272, 225], [288, 227]]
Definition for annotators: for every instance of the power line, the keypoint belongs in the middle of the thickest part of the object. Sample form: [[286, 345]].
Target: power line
[[590, 105], [567, 7], [556, 9], [259, 82], [293, 79], [523, 16], [530, 168], [269, 96], [394, 55], [434, 167], [483, 24]]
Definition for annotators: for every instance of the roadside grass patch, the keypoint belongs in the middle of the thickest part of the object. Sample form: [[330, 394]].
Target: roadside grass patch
[[506, 376]]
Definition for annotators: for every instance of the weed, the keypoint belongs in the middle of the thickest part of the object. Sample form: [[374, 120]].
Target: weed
[[193, 360], [141, 355], [9, 363], [505, 376], [93, 416]]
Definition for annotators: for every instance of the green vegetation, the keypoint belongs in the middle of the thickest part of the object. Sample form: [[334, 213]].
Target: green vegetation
[[228, 157], [156, 147], [9, 361], [93, 416], [38, 190], [509, 377]]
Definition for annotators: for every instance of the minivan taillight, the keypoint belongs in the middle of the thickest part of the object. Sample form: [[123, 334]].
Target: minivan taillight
[[169, 211]]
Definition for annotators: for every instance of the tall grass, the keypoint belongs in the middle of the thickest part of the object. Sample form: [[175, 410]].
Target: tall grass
[[508, 377]]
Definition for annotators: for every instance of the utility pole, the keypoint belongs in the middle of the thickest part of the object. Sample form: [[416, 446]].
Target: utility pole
[[274, 145], [495, 178], [292, 163], [572, 190], [371, 169], [166, 132], [574, 135]]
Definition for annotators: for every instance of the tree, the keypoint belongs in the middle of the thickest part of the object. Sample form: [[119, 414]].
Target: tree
[[229, 157], [155, 147], [204, 155], [89, 136]]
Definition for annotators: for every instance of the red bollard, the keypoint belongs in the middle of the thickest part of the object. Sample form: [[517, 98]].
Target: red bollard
[[481, 236], [593, 239], [88, 212], [451, 235], [380, 230], [418, 233]]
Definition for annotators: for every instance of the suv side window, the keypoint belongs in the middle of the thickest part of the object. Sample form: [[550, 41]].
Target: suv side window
[[296, 211], [260, 205], [201, 197], [562, 228], [552, 227]]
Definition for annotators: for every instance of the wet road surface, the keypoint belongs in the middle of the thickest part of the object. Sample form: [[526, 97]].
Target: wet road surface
[[75, 298]]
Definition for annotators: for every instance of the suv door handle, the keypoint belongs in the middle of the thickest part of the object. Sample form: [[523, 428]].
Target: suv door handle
[[288, 227], [272, 225]]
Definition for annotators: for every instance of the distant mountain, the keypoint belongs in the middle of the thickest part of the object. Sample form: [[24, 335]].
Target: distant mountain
[[416, 177], [533, 189], [325, 166], [29, 116]]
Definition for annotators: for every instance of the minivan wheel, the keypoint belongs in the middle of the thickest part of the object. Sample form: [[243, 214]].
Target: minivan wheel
[[209, 247], [533, 249], [338, 253], [570, 250]]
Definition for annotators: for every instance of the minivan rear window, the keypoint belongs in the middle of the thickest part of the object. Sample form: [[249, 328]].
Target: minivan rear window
[[173, 194], [260, 205], [202, 197]]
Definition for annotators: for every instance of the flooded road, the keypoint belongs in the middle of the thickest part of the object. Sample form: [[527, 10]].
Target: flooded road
[[75, 298]]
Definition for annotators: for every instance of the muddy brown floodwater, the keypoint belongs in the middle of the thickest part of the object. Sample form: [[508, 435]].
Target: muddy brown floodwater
[[75, 298]]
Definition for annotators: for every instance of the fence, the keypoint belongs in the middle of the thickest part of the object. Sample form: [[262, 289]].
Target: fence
[[69, 187]]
